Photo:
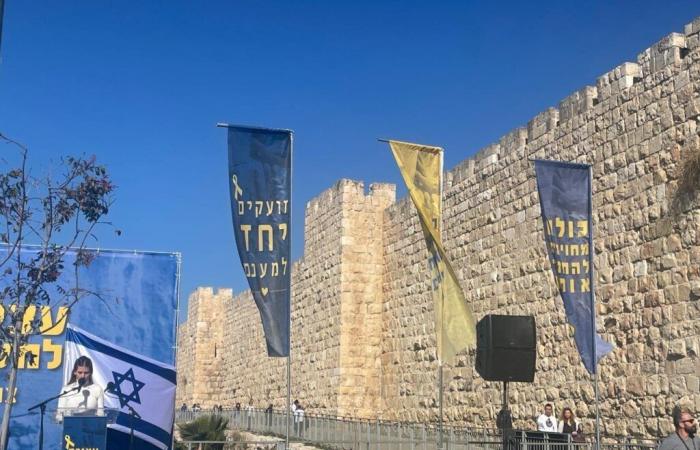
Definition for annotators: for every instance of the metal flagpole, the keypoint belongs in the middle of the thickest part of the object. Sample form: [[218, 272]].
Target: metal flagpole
[[2, 14], [289, 386], [442, 314], [591, 253], [289, 357]]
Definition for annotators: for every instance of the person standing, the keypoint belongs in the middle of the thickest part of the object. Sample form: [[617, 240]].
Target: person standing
[[299, 420], [546, 421], [569, 424], [81, 395], [683, 438]]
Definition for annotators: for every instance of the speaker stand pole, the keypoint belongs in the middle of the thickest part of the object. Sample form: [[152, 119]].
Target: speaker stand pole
[[504, 421]]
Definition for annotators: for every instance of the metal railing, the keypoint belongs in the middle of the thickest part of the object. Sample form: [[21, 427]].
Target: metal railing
[[343, 433]]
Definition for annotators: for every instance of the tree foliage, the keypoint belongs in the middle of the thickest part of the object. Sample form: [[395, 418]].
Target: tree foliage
[[205, 428], [46, 224]]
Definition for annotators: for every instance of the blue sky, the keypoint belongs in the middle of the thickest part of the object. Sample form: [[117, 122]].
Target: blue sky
[[141, 84]]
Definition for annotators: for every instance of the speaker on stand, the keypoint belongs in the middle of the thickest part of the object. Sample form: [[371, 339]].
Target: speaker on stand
[[506, 351]]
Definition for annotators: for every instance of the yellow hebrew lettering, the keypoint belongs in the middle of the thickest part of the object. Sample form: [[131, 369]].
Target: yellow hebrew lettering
[[560, 226], [563, 267], [585, 285], [283, 229], [550, 231], [285, 203], [270, 206], [584, 249], [48, 326], [574, 249], [246, 229], [562, 284], [575, 268], [249, 204], [29, 356], [258, 207], [572, 286], [262, 230], [5, 354], [246, 269], [56, 350], [284, 266], [241, 207], [570, 226], [263, 270], [275, 269], [28, 318], [586, 266], [252, 269], [582, 226]]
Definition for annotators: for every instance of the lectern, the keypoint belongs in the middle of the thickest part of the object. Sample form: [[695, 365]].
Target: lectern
[[86, 429], [85, 432]]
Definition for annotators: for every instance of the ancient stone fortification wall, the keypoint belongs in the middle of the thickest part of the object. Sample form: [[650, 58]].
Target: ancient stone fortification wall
[[336, 318], [363, 333]]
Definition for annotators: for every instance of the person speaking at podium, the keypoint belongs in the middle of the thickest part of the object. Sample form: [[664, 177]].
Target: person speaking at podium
[[82, 397]]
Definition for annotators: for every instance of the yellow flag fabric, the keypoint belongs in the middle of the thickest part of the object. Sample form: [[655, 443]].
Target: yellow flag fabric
[[421, 168]]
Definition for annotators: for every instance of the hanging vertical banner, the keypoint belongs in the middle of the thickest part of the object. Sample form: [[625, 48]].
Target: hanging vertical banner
[[260, 183], [421, 169], [565, 200]]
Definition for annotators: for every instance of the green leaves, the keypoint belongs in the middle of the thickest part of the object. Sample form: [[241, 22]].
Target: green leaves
[[205, 428]]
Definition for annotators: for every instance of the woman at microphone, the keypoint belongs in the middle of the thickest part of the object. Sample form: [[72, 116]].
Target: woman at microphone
[[82, 397]]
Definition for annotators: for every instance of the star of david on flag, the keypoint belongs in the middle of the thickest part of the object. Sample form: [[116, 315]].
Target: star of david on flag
[[139, 382], [136, 386]]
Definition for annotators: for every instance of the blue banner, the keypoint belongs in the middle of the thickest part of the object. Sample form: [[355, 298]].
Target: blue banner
[[260, 163], [565, 199], [137, 313]]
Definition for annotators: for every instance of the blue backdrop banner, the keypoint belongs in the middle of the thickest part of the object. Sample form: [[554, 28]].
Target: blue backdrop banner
[[137, 314], [565, 199], [260, 162]]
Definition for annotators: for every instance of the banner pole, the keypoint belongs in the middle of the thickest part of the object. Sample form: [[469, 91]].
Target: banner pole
[[591, 253], [289, 357], [289, 393], [442, 315]]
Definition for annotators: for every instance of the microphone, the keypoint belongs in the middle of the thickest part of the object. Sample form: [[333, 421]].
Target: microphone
[[81, 383]]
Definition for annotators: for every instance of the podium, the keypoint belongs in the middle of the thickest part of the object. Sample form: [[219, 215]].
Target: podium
[[87, 429]]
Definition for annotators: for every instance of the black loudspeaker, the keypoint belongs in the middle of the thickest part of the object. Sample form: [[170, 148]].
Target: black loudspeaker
[[505, 348]]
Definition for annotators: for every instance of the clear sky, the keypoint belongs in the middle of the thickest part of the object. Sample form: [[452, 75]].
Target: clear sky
[[141, 84]]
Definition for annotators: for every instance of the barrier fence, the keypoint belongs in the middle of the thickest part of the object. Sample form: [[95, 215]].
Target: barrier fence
[[342, 433]]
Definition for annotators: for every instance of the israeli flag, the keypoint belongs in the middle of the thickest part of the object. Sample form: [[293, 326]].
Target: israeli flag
[[147, 385]]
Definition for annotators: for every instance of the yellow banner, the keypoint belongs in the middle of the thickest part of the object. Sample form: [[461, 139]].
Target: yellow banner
[[421, 169]]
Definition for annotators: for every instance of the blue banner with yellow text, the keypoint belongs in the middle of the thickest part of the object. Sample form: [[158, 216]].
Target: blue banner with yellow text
[[260, 184], [135, 310], [565, 199]]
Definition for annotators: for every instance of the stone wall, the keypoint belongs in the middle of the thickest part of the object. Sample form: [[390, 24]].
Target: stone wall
[[363, 327], [336, 318]]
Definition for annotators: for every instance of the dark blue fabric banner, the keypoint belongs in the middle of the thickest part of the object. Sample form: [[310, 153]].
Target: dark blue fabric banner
[[138, 313], [260, 183], [565, 199]]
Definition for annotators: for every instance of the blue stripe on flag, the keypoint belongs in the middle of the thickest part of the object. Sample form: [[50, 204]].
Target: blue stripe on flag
[[144, 427], [81, 339]]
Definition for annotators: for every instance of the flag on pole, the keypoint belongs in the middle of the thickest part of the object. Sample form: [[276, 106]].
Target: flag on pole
[[421, 169], [147, 385], [565, 199], [260, 173]]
